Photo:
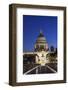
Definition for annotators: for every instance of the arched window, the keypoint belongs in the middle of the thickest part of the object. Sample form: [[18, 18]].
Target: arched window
[[42, 55]]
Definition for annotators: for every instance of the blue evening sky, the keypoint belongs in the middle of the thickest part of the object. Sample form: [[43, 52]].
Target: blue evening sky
[[31, 29]]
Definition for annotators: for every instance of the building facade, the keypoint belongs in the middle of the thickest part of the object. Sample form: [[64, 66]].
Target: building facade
[[40, 51]]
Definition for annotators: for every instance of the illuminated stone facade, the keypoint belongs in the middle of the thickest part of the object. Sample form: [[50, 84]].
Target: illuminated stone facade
[[41, 49]]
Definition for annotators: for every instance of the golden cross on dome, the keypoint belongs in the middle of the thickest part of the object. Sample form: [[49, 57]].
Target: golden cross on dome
[[40, 31]]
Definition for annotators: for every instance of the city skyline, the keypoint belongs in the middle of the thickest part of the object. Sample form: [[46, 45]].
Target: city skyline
[[31, 29]]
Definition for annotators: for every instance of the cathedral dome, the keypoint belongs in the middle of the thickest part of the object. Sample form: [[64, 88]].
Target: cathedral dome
[[41, 38], [41, 43]]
